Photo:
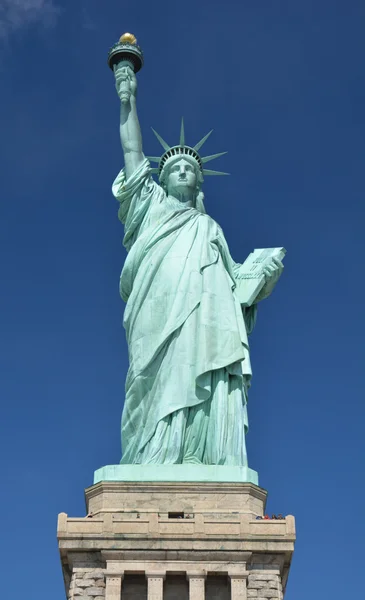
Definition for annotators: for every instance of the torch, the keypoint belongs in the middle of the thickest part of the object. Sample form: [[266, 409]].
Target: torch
[[126, 53]]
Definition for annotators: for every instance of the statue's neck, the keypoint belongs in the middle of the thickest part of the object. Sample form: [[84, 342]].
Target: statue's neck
[[185, 200]]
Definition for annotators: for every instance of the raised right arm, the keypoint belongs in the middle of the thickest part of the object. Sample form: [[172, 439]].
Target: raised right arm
[[130, 131]]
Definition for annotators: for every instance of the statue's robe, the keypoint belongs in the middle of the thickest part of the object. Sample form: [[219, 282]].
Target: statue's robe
[[186, 388]]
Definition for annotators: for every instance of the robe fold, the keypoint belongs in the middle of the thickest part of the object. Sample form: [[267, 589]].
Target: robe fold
[[189, 364]]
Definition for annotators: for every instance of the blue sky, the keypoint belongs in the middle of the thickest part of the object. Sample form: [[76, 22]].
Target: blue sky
[[282, 84]]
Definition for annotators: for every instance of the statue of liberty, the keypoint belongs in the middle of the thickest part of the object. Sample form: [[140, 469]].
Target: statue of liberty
[[186, 326]]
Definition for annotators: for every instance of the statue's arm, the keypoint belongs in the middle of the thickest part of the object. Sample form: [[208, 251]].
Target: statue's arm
[[130, 131]]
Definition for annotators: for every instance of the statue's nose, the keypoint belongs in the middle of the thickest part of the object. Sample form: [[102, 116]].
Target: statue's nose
[[182, 172]]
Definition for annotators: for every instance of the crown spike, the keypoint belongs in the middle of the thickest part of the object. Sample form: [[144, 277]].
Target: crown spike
[[155, 171], [206, 159], [164, 144], [182, 133], [202, 141], [155, 159], [210, 172]]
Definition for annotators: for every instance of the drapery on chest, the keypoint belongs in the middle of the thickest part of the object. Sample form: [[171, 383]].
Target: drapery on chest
[[182, 243]]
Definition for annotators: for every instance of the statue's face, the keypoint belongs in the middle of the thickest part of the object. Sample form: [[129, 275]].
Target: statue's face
[[181, 179]]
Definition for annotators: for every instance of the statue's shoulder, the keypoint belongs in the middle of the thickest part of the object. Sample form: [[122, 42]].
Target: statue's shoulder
[[213, 223]]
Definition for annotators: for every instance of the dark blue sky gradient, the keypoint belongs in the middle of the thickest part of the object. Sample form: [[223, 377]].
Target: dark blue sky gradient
[[282, 83]]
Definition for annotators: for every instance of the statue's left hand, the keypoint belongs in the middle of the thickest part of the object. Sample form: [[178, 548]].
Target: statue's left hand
[[272, 272]]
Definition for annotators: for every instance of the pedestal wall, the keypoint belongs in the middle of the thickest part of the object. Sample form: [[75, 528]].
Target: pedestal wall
[[159, 541]]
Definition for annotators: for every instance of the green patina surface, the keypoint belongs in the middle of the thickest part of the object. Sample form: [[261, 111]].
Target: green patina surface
[[186, 319], [198, 473]]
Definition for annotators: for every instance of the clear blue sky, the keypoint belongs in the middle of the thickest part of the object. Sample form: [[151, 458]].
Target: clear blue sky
[[282, 84]]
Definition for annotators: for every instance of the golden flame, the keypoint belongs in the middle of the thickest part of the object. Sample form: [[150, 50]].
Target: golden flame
[[128, 38]]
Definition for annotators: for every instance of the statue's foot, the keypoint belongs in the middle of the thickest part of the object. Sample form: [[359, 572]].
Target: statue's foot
[[191, 460]]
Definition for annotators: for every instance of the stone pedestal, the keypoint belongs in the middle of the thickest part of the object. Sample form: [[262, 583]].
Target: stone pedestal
[[161, 541]]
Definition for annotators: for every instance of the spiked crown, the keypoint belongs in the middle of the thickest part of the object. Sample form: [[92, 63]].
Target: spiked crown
[[182, 150]]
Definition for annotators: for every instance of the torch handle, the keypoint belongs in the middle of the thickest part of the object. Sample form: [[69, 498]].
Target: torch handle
[[124, 86], [123, 63]]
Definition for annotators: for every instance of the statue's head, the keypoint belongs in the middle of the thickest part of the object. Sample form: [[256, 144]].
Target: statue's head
[[182, 178], [181, 169]]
